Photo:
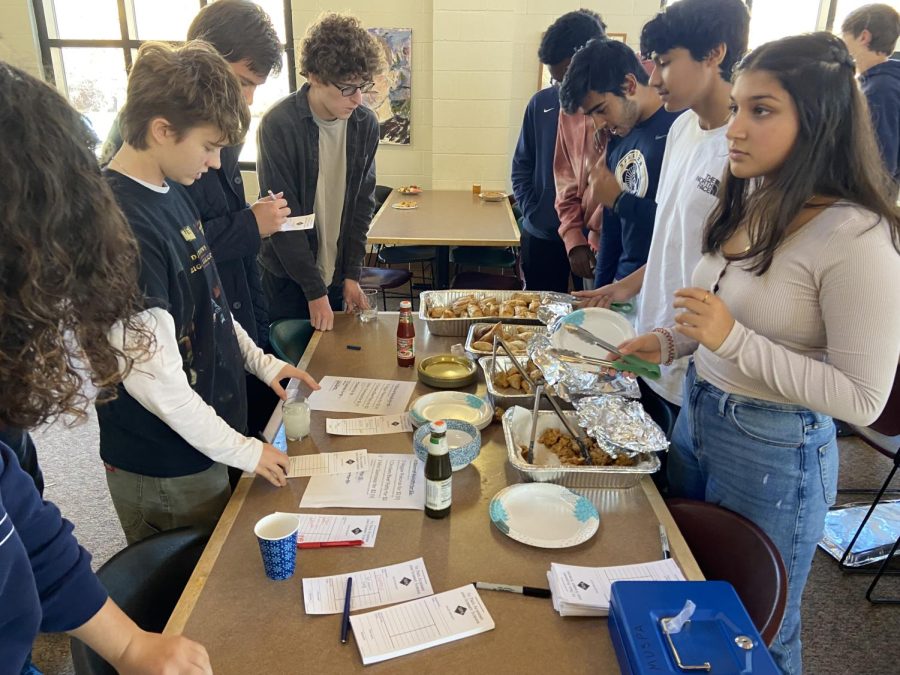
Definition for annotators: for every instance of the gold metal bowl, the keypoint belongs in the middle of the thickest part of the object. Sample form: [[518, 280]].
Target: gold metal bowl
[[447, 371]]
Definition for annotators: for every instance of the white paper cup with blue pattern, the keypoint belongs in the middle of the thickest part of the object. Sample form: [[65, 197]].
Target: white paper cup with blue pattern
[[277, 536]]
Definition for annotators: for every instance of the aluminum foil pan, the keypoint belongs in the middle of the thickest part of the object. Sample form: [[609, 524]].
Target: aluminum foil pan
[[572, 380], [480, 350], [503, 398], [457, 327], [517, 432], [620, 424]]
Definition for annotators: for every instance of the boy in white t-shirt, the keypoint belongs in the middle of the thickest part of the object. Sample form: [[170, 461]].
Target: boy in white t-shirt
[[694, 45]]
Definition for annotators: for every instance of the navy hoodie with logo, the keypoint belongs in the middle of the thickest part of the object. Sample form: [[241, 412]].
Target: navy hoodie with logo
[[881, 85], [532, 165]]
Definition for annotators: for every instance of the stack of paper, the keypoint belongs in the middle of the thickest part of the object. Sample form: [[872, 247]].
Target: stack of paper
[[585, 591], [421, 624]]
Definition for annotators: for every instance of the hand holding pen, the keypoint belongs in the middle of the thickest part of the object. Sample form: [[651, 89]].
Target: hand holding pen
[[270, 212]]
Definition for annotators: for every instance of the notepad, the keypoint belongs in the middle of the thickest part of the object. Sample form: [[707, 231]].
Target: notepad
[[324, 527], [420, 624], [326, 463], [368, 426], [371, 588], [295, 223], [585, 591]]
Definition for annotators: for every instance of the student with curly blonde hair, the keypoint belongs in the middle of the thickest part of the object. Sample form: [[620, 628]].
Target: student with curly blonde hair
[[68, 266], [317, 146], [181, 414]]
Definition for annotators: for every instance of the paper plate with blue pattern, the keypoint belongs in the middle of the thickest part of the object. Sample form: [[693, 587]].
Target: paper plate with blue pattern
[[544, 515], [451, 405]]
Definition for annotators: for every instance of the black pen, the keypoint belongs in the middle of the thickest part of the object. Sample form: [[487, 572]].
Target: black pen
[[345, 624], [664, 540], [522, 590], [354, 348]]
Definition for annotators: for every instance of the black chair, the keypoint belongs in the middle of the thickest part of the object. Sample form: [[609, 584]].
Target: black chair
[[146, 580], [386, 279], [483, 280], [728, 547], [883, 435], [382, 192]]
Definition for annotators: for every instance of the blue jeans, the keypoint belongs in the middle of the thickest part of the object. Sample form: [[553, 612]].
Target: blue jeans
[[775, 464]]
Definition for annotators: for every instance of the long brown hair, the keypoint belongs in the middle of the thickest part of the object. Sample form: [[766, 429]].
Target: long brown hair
[[68, 261], [835, 153]]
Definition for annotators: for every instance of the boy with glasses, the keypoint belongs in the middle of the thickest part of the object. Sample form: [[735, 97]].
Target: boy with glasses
[[317, 146]]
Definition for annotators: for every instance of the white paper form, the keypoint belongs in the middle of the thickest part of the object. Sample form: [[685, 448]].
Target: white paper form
[[368, 426], [371, 588], [295, 223], [321, 527], [421, 624], [390, 482], [585, 591], [328, 463], [361, 395]]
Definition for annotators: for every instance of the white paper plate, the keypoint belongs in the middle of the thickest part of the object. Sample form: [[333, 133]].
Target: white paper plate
[[602, 323], [454, 405], [544, 515]]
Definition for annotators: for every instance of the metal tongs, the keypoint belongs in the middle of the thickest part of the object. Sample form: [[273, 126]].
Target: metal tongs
[[626, 362], [577, 433]]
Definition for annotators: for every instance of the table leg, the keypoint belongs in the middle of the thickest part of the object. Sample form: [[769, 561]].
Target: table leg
[[442, 267]]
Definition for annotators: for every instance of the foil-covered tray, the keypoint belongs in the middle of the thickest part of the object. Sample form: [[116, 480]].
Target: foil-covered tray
[[504, 398], [517, 432], [458, 326], [480, 350]]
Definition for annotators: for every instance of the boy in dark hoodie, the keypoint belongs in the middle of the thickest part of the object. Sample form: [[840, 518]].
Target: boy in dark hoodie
[[871, 34]]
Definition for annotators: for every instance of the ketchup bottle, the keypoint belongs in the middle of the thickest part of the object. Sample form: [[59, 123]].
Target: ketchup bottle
[[406, 336]]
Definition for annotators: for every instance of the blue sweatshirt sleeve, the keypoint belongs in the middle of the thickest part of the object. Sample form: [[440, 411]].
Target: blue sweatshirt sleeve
[[610, 249], [45, 576], [884, 105], [523, 165]]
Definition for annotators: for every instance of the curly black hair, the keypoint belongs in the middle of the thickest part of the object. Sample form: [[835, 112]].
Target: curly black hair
[[601, 66], [700, 26], [68, 264], [569, 33], [240, 31], [337, 48]]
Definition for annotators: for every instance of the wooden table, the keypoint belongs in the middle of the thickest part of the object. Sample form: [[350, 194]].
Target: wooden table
[[445, 218], [250, 624]]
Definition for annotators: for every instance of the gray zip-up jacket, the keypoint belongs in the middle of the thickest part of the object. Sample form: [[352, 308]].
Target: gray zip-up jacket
[[288, 142]]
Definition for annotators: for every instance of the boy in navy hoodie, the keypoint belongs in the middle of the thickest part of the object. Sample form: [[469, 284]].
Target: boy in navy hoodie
[[871, 34], [607, 82]]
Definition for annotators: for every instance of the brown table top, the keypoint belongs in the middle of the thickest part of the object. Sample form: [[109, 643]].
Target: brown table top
[[445, 218], [250, 624]]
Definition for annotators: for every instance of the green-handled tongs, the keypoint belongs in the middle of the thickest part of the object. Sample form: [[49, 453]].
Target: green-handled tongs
[[626, 362]]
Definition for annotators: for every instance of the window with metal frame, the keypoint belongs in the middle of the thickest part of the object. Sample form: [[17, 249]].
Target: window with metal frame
[[88, 46]]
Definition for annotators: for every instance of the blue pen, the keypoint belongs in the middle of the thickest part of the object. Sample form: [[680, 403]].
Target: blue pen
[[345, 624]]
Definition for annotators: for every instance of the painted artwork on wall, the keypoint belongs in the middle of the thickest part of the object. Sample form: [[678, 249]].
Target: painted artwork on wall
[[392, 97]]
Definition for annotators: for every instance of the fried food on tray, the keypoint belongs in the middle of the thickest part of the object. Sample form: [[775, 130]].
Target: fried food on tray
[[566, 448], [511, 378], [515, 336], [519, 305]]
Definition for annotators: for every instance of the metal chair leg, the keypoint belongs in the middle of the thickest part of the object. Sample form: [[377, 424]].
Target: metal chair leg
[[881, 572]]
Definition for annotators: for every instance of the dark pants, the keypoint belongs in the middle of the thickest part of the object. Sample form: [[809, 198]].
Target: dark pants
[[19, 441], [545, 264], [286, 299]]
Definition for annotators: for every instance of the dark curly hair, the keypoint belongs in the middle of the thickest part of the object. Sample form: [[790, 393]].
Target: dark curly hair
[[601, 66], [835, 153], [240, 31], [337, 48], [700, 26], [189, 86], [68, 263], [568, 34]]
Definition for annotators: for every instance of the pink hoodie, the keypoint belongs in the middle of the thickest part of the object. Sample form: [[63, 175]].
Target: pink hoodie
[[578, 149]]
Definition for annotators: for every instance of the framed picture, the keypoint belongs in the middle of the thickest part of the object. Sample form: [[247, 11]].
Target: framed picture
[[392, 98], [544, 72]]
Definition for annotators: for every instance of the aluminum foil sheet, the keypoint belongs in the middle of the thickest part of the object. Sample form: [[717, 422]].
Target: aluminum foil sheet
[[572, 381], [621, 423]]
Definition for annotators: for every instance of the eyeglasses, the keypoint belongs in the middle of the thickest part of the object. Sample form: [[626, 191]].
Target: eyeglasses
[[347, 90]]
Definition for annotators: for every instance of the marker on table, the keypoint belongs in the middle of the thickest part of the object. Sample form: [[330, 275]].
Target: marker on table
[[522, 590], [354, 348], [664, 540], [329, 544], [345, 622]]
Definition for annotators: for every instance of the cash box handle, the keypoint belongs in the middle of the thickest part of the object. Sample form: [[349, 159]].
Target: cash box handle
[[664, 626]]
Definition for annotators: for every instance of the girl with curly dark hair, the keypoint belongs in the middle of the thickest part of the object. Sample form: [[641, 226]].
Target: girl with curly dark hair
[[68, 274]]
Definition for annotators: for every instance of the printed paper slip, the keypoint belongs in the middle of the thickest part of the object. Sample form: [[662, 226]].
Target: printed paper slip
[[585, 591], [368, 426], [295, 223], [328, 463], [316, 527], [371, 588], [390, 482], [421, 624], [360, 395]]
